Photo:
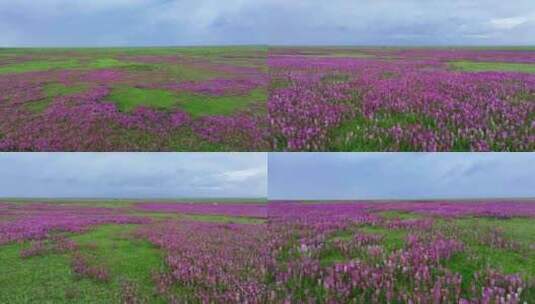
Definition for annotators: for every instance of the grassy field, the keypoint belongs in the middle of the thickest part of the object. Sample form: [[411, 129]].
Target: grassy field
[[493, 66], [129, 261], [167, 98], [358, 253], [49, 278], [259, 98], [395, 99], [122, 251], [477, 256]]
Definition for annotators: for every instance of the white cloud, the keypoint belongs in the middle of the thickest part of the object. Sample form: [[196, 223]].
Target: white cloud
[[508, 23], [243, 175]]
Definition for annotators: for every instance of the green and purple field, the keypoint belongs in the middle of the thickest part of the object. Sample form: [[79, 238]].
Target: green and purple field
[[238, 251], [267, 99], [122, 251], [129, 99]]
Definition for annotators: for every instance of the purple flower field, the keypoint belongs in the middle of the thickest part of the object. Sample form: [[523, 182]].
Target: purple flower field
[[402, 100], [260, 99], [133, 100], [281, 252], [402, 252]]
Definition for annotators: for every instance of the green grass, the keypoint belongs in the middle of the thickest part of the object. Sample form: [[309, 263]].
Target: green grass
[[479, 257], [57, 63], [472, 66], [172, 72], [34, 66], [352, 135], [58, 89], [127, 258], [129, 98], [50, 91], [48, 278], [519, 229], [181, 72], [98, 58], [202, 105], [331, 256], [45, 279], [393, 239], [400, 215], [175, 71], [38, 106], [106, 63]]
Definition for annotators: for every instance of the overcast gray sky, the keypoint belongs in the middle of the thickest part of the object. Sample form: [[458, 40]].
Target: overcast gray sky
[[186, 22], [400, 175], [133, 175]]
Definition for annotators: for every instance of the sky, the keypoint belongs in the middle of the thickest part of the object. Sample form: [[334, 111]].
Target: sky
[[295, 22], [317, 176], [133, 175]]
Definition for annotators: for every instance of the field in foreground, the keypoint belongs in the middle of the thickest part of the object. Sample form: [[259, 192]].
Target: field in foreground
[[267, 99], [130, 99], [344, 99], [281, 252]]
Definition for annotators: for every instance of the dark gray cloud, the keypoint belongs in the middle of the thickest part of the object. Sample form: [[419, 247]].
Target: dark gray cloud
[[185, 22], [133, 175], [400, 175]]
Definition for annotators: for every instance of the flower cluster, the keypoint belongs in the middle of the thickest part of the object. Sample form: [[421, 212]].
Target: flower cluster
[[37, 221], [81, 267], [55, 244], [220, 263]]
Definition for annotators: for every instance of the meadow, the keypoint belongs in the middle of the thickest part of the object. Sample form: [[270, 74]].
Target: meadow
[[133, 99], [404, 252], [388, 99], [255, 252], [130, 252], [255, 98]]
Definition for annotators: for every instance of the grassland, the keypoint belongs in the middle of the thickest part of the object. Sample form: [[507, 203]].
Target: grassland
[[161, 98], [129, 255], [260, 98], [129, 260]]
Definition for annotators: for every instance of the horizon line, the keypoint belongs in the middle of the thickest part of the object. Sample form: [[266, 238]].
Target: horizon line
[[130, 198], [405, 199], [272, 45], [267, 199]]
